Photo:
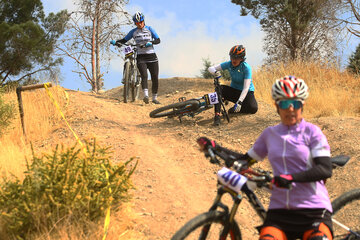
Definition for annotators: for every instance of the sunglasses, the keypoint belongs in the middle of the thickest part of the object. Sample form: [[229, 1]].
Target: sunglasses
[[285, 104], [138, 23]]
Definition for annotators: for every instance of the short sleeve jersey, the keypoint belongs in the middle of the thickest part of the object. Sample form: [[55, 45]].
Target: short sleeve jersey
[[142, 36], [238, 75], [291, 150]]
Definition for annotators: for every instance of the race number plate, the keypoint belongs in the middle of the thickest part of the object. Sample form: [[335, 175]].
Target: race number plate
[[128, 50], [231, 179], [212, 98]]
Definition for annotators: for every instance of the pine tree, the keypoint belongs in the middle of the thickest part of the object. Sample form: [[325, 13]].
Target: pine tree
[[354, 61]]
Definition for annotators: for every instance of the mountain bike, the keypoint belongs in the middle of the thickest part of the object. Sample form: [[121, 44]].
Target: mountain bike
[[193, 106], [131, 75], [237, 179]]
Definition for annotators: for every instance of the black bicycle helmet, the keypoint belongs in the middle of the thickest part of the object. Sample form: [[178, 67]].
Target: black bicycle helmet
[[237, 51]]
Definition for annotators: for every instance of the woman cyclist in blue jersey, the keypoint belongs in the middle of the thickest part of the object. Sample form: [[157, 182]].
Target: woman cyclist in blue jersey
[[145, 37], [241, 89], [299, 155]]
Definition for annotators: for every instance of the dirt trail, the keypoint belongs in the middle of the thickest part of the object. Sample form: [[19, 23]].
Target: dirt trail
[[174, 182]]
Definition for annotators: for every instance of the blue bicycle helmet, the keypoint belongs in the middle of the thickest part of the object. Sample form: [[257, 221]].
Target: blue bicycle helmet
[[138, 17]]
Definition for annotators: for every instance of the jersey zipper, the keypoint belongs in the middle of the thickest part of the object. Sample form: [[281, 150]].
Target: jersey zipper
[[285, 168]]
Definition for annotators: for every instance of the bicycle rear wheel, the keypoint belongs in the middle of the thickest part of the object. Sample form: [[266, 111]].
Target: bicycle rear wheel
[[135, 84], [176, 109], [126, 81], [208, 225], [346, 211]]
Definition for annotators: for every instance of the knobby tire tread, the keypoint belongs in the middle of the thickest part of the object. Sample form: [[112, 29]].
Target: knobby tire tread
[[345, 198], [203, 219], [127, 76], [176, 109], [346, 202], [135, 88]]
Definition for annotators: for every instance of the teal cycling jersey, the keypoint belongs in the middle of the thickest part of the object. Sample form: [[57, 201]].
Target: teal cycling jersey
[[238, 75], [142, 36]]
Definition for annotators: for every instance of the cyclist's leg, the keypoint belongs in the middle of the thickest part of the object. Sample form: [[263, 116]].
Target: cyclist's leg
[[249, 104], [154, 72], [144, 83], [272, 233], [143, 73], [230, 94], [319, 232]]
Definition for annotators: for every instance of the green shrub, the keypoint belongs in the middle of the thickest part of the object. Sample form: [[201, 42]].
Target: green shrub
[[207, 75], [67, 185], [7, 113]]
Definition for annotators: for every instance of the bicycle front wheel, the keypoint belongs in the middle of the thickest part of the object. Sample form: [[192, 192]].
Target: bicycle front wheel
[[176, 109], [346, 214], [126, 81], [135, 84], [208, 225]]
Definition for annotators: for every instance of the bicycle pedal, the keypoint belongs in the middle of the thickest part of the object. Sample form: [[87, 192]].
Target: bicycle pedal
[[182, 99]]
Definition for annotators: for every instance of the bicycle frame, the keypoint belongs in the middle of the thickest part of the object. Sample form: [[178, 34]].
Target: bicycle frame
[[237, 198], [131, 59]]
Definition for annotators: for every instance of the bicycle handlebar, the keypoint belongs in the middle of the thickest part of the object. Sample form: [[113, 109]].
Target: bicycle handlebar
[[131, 44]]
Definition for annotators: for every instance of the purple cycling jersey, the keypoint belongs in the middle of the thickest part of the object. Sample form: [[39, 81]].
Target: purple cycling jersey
[[291, 150]]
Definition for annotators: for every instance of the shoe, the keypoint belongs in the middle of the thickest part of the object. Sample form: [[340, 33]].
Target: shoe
[[155, 101], [217, 120], [146, 100]]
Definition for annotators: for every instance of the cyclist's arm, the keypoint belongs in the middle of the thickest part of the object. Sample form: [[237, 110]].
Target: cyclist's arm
[[321, 171], [156, 41], [126, 38], [237, 156], [214, 69], [121, 41], [245, 90]]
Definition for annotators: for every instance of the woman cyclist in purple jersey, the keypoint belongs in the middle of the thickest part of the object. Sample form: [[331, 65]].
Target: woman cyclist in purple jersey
[[145, 37], [241, 89], [299, 155]]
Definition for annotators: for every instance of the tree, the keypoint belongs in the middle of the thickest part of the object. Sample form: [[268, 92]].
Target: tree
[[354, 19], [27, 39], [206, 74], [354, 61], [296, 29], [91, 28]]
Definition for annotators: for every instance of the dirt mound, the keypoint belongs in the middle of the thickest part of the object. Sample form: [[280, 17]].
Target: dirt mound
[[174, 182]]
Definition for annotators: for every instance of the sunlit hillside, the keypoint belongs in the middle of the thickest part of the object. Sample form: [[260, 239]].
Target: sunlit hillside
[[332, 93]]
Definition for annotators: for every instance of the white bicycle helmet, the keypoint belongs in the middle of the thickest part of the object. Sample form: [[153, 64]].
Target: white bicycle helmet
[[289, 87]]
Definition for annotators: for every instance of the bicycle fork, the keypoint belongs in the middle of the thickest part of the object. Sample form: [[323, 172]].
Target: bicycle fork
[[229, 217], [351, 232]]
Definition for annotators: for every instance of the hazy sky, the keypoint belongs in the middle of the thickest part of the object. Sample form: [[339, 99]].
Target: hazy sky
[[190, 30]]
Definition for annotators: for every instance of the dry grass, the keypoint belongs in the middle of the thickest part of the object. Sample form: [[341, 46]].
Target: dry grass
[[332, 93], [40, 118]]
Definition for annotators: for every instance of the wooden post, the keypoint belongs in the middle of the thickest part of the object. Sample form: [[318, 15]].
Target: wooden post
[[21, 109]]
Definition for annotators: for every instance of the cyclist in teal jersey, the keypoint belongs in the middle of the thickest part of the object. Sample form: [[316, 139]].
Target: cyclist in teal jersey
[[145, 37], [241, 89]]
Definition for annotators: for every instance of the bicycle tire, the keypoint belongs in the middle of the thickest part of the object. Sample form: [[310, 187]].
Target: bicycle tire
[[126, 77], [176, 109], [346, 211], [213, 217], [135, 84]]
